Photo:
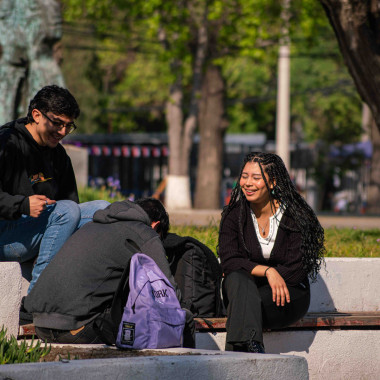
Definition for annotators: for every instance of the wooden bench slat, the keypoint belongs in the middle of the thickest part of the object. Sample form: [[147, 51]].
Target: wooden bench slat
[[310, 320], [27, 330]]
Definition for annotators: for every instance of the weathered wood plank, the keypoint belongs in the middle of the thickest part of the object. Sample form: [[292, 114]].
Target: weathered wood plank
[[310, 320]]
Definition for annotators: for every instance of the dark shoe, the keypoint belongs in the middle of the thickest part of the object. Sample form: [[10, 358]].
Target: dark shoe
[[24, 317], [255, 347]]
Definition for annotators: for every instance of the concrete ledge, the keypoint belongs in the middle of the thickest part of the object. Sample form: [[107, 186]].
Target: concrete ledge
[[347, 285], [332, 355], [199, 364], [10, 296]]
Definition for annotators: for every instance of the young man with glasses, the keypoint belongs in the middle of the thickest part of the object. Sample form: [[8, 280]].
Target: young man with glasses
[[39, 204]]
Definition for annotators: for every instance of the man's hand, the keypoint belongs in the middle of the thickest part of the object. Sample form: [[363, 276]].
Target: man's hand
[[280, 291], [37, 204]]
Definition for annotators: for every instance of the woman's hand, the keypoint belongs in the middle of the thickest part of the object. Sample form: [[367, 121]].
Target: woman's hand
[[280, 291]]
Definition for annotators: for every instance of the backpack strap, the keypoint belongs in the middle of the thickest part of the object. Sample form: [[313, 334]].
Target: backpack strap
[[107, 324], [120, 297]]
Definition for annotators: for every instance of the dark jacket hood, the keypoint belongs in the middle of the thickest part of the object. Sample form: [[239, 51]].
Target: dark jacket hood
[[19, 125], [122, 211]]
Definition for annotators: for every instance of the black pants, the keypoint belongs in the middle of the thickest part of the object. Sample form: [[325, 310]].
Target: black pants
[[251, 308], [85, 335]]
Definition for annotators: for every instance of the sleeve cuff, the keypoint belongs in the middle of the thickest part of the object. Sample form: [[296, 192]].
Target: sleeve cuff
[[24, 206]]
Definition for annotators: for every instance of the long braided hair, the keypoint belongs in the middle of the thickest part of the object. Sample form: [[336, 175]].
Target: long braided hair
[[285, 193]]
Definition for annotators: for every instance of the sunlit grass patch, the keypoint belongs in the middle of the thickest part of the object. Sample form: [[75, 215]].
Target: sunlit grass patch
[[208, 235], [339, 242], [352, 242]]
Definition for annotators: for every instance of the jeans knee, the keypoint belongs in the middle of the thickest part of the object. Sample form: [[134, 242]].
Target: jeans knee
[[67, 211], [95, 205], [88, 209], [100, 204]]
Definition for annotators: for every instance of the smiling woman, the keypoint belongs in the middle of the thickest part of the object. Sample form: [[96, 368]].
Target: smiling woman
[[254, 187], [270, 241]]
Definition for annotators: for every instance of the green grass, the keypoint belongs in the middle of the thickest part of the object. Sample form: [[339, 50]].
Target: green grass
[[349, 242], [342, 242], [206, 235], [339, 242], [88, 194]]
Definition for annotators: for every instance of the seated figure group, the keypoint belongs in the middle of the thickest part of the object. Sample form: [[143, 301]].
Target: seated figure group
[[270, 241]]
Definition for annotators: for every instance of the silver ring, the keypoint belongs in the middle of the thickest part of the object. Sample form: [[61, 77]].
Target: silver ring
[[46, 203]]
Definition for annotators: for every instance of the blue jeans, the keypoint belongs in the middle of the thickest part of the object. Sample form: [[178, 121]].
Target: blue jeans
[[27, 237]]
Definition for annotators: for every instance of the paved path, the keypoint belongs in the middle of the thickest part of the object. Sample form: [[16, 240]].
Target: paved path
[[206, 217]]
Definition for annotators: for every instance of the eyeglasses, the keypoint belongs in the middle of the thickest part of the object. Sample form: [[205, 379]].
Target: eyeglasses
[[70, 127]]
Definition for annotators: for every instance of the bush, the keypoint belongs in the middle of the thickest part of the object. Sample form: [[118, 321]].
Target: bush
[[11, 351]]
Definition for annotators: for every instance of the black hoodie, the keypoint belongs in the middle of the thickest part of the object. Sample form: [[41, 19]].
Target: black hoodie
[[27, 168], [80, 281]]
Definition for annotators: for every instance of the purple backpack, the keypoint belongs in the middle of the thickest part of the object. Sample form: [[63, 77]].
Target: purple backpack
[[152, 317]]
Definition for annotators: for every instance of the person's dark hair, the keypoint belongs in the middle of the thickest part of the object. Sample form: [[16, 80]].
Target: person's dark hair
[[288, 197], [54, 99], [157, 213]]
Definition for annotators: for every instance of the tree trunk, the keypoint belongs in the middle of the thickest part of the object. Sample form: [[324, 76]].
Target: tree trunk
[[357, 28], [181, 133], [212, 126], [177, 193], [174, 119], [373, 204]]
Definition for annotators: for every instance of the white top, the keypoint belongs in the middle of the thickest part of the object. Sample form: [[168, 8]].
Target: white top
[[267, 243]]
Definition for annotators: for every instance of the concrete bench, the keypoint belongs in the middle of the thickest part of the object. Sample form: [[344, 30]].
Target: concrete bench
[[339, 336], [14, 283], [168, 364]]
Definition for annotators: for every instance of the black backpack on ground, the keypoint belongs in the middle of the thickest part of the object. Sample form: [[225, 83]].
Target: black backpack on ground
[[198, 275]]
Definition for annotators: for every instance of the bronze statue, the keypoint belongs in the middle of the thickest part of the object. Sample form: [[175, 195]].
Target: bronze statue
[[29, 32]]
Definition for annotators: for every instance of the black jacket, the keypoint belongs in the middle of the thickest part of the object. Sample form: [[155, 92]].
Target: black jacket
[[286, 255], [80, 281], [27, 168]]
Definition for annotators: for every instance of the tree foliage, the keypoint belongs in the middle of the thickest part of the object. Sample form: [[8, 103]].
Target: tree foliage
[[130, 54], [144, 63]]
